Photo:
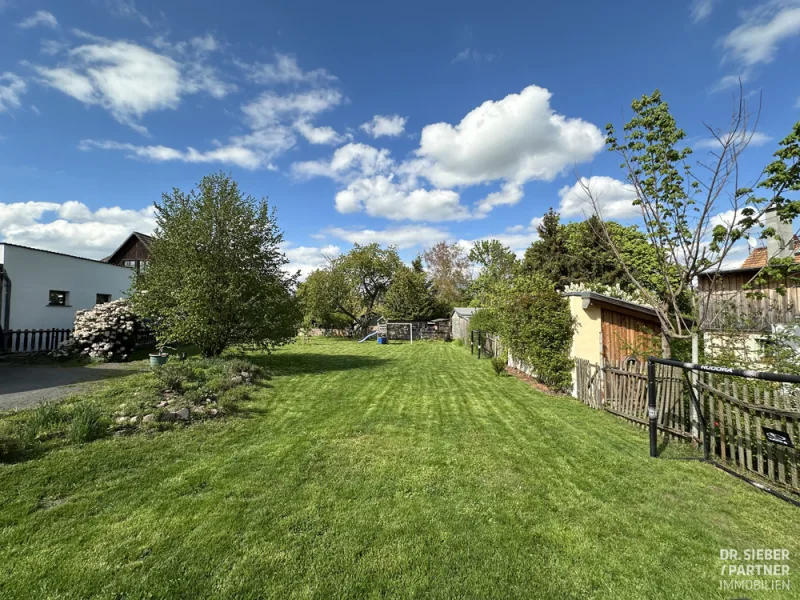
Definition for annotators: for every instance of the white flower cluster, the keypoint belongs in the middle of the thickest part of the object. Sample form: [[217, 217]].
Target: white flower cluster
[[615, 291], [106, 332]]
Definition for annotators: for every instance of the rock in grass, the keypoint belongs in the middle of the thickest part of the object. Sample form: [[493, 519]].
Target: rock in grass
[[148, 418], [182, 414]]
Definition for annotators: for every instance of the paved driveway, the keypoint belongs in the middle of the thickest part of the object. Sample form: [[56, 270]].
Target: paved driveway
[[24, 386]]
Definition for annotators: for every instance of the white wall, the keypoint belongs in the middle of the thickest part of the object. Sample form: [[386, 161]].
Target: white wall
[[34, 273]]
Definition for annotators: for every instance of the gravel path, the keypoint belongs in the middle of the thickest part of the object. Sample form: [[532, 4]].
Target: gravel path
[[26, 386]]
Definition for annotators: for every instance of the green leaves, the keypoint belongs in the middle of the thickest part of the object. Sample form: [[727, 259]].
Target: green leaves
[[215, 275]]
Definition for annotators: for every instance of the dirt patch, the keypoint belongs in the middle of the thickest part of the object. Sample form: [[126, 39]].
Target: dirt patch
[[539, 387]]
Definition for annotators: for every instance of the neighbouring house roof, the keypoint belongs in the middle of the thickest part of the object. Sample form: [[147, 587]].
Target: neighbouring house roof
[[94, 260], [597, 298], [758, 257], [465, 312], [144, 238]]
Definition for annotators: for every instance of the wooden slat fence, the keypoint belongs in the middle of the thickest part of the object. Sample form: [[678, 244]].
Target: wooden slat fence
[[735, 411], [32, 340]]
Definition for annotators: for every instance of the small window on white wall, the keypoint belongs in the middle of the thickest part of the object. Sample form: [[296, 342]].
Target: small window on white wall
[[58, 298], [102, 298]]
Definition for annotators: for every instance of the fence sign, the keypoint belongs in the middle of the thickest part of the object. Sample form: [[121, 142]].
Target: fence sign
[[778, 437]]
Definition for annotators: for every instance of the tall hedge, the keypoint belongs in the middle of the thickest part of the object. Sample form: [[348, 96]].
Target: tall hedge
[[537, 327]]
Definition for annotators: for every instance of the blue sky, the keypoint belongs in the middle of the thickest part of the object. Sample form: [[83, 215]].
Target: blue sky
[[404, 124]]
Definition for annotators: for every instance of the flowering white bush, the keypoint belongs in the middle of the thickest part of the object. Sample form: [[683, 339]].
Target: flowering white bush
[[106, 332], [614, 291]]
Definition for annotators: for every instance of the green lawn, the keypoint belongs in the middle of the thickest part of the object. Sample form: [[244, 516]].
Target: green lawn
[[372, 471]]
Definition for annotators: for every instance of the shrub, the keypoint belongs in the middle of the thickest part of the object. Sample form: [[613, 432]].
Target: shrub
[[238, 366], [46, 417], [499, 364], [174, 376], [106, 332], [10, 445], [87, 423]]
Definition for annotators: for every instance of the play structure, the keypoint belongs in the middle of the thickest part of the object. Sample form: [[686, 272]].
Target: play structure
[[399, 330]]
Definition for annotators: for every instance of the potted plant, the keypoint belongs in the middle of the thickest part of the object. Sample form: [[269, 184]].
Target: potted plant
[[159, 358]]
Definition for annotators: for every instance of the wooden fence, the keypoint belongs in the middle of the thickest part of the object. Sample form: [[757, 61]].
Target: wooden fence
[[32, 340], [734, 409]]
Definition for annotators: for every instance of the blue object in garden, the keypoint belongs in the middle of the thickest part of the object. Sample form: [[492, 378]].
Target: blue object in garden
[[381, 340]]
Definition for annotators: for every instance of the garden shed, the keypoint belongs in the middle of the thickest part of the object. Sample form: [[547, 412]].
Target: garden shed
[[459, 322], [610, 330]]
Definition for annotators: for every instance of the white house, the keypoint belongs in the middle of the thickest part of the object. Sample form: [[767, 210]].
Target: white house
[[40, 289]]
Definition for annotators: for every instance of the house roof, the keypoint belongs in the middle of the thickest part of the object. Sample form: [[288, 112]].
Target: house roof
[[758, 257], [465, 312], [142, 237], [94, 260], [590, 297]]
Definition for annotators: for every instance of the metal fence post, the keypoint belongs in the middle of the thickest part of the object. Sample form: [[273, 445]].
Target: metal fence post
[[652, 409], [480, 345]]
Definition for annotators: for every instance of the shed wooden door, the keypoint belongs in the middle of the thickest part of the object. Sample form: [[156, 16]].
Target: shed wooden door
[[625, 335]]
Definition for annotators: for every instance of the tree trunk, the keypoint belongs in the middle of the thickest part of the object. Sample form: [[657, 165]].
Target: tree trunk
[[666, 350]]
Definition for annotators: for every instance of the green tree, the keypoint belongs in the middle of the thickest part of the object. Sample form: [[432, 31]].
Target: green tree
[[410, 296], [353, 285], [496, 265], [449, 271], [215, 274], [549, 255], [315, 302], [678, 202]]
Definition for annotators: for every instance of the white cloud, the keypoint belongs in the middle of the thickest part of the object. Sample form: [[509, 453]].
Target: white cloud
[[508, 195], [129, 80], [240, 156], [285, 70], [75, 228], [402, 237], [308, 258], [702, 9], [756, 138], [11, 88], [729, 81], [40, 17], [474, 55], [764, 28], [518, 138], [380, 196], [317, 135], [126, 9], [388, 125], [614, 197], [348, 162], [270, 108]]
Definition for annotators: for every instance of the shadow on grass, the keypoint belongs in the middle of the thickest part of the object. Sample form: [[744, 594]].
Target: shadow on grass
[[300, 364]]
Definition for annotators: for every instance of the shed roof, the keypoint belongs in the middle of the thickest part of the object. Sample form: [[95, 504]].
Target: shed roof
[[590, 297], [142, 237], [465, 312]]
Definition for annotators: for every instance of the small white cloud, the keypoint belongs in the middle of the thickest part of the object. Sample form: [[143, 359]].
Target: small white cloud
[[270, 108], [385, 125], [753, 138], [74, 228], [308, 258], [614, 198], [126, 9], [764, 28], [239, 156], [39, 18], [317, 135], [347, 163], [474, 56], [508, 195], [285, 70], [380, 196], [11, 89], [130, 80], [701, 9], [402, 237]]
